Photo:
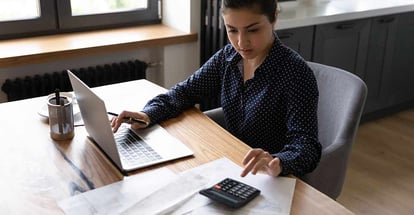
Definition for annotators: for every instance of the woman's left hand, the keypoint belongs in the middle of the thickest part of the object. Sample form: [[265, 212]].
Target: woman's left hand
[[259, 160]]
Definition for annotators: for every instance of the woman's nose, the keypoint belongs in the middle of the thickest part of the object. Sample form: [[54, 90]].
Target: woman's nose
[[243, 41]]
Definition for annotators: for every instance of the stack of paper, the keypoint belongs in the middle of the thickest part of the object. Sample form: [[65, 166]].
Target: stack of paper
[[163, 192]]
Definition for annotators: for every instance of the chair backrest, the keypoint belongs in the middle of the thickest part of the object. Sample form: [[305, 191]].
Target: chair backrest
[[341, 101]]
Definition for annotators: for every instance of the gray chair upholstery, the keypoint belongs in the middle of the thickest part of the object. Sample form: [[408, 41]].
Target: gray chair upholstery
[[341, 101]]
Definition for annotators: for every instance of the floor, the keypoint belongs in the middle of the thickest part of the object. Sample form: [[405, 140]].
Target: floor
[[380, 176]]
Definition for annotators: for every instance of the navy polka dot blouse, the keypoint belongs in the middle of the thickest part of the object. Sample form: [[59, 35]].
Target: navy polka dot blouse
[[275, 110]]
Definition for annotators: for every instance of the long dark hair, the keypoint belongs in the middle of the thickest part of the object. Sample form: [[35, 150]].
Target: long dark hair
[[266, 7]]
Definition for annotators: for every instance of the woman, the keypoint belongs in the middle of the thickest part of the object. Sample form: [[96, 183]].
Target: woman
[[268, 93]]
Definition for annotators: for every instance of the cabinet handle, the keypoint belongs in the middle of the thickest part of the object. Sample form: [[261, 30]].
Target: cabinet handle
[[285, 35], [345, 26], [386, 19]]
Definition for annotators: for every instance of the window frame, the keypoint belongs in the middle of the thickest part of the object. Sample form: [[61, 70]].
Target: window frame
[[56, 17]]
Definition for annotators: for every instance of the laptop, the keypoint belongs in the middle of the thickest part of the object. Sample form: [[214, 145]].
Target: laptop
[[127, 149]]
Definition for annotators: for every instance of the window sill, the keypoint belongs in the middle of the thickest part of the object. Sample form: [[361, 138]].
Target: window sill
[[18, 52]]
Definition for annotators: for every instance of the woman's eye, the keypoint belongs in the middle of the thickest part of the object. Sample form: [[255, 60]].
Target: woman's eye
[[232, 31], [253, 30]]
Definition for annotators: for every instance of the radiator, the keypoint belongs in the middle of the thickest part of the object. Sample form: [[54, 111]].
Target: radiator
[[40, 85]]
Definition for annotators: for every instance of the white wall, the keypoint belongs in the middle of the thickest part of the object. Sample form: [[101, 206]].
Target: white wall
[[177, 61], [181, 60]]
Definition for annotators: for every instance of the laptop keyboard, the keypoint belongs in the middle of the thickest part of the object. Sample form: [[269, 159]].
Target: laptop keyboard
[[133, 149]]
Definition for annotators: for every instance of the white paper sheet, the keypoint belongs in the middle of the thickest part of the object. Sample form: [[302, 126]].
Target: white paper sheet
[[166, 199], [117, 197]]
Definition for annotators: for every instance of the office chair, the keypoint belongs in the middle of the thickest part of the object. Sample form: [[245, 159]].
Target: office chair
[[341, 101]]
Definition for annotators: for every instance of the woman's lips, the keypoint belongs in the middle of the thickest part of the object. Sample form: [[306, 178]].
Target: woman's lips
[[245, 51]]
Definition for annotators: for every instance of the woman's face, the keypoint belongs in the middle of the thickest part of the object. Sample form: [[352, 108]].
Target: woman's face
[[250, 33]]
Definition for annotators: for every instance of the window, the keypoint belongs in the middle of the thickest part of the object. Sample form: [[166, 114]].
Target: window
[[87, 7], [53, 16], [35, 16], [10, 10], [78, 14]]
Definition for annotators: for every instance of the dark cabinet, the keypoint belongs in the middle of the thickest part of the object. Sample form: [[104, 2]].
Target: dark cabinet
[[398, 80], [298, 39], [390, 65], [379, 61], [343, 45]]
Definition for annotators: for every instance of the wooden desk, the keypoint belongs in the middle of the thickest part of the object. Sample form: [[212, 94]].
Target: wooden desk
[[36, 171]]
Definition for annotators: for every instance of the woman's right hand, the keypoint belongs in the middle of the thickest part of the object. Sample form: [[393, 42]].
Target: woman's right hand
[[259, 160], [124, 117]]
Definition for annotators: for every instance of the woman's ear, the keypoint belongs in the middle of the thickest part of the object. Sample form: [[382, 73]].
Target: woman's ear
[[274, 22]]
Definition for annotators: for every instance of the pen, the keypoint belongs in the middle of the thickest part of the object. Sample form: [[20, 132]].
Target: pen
[[141, 121], [59, 111]]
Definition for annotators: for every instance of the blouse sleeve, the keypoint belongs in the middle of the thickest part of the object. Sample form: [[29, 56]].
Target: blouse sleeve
[[302, 153]]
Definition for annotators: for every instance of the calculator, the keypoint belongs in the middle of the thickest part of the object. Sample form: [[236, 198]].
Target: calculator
[[231, 192]]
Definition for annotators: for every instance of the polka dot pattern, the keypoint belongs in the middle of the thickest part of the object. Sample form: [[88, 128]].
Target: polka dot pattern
[[275, 110]]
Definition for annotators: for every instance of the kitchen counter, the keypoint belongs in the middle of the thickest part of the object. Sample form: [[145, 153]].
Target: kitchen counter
[[302, 13]]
